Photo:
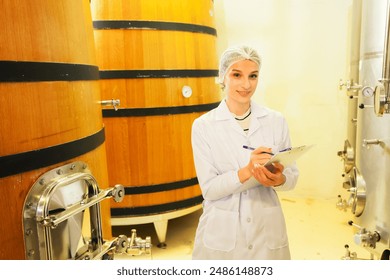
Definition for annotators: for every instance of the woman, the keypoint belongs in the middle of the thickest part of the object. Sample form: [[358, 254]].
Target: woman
[[239, 223]]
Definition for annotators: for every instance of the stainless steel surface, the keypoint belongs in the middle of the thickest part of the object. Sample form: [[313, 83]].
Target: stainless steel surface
[[352, 86]]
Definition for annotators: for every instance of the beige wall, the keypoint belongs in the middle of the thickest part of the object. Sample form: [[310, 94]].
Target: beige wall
[[304, 46]]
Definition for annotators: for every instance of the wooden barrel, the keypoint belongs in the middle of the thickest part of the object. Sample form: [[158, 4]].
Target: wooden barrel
[[160, 59], [50, 113]]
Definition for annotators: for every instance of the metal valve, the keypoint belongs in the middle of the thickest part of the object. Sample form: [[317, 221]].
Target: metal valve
[[137, 245], [365, 238], [348, 254], [348, 155], [367, 143], [342, 204], [113, 102], [362, 106], [133, 246], [349, 85]]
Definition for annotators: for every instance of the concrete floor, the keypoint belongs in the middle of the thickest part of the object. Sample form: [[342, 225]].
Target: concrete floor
[[317, 231]]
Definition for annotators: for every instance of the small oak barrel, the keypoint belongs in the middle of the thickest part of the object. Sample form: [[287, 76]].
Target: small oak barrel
[[50, 111], [159, 59]]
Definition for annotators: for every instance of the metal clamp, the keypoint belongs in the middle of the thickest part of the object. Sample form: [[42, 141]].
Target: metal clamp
[[357, 190], [117, 245]]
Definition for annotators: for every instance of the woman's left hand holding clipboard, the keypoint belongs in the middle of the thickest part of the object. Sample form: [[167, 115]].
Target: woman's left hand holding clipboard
[[268, 176]]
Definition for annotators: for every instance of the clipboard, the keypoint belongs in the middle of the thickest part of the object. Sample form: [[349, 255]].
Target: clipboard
[[286, 158]]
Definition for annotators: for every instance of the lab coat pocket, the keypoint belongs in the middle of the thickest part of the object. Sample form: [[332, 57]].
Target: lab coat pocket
[[221, 230], [275, 228]]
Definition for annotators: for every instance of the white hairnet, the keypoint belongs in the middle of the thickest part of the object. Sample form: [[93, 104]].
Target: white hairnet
[[233, 55]]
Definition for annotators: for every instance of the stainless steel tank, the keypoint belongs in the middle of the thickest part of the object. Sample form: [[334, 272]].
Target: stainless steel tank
[[351, 87], [369, 180]]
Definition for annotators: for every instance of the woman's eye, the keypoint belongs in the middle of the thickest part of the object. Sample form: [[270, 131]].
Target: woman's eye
[[253, 76], [236, 75]]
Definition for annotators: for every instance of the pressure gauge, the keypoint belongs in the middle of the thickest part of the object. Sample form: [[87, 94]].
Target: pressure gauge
[[368, 91], [186, 91]]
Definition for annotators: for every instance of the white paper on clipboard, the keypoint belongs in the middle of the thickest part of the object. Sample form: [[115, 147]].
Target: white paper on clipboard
[[286, 158]]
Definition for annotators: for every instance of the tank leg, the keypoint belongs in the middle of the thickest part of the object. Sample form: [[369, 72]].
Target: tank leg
[[161, 230]]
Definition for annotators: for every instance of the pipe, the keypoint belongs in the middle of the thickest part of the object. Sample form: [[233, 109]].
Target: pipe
[[386, 57]]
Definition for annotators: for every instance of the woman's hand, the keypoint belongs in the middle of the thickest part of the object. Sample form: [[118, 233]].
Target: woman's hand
[[267, 176], [260, 156], [270, 176]]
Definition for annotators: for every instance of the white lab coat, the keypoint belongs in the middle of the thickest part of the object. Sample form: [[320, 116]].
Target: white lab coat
[[238, 224]]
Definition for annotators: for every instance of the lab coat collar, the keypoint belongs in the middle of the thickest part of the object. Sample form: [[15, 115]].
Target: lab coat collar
[[257, 112], [223, 112]]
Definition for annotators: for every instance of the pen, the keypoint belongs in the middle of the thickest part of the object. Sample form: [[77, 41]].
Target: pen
[[285, 150], [252, 149], [248, 148]]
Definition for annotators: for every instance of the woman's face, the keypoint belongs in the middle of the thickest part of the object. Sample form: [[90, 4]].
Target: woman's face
[[241, 81]]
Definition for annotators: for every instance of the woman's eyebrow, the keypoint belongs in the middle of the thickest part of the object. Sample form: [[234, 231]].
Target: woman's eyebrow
[[253, 72]]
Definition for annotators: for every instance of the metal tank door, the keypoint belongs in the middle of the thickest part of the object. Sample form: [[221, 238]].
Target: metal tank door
[[62, 220]]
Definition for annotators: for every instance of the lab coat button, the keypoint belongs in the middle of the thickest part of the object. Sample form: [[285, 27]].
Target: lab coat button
[[248, 220], [250, 247]]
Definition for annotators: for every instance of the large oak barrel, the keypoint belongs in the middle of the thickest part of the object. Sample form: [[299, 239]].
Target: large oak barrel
[[159, 59], [50, 111]]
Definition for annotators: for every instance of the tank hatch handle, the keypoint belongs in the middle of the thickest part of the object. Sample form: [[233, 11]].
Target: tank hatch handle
[[117, 192]]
